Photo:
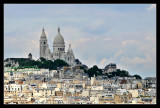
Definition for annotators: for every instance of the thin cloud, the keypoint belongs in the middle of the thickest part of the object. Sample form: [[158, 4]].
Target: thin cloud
[[107, 39], [129, 42]]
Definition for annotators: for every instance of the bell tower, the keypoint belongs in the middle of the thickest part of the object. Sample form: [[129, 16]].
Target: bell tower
[[43, 43]]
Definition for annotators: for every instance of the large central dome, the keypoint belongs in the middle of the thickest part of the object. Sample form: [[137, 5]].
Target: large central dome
[[58, 38]]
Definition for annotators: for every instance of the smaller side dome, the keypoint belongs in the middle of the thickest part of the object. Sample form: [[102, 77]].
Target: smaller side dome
[[70, 51], [30, 56]]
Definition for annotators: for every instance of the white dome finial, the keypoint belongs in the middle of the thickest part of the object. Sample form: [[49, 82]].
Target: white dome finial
[[43, 33], [43, 29], [58, 29], [69, 45]]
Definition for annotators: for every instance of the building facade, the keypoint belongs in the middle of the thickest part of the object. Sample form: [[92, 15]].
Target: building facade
[[110, 68], [58, 49]]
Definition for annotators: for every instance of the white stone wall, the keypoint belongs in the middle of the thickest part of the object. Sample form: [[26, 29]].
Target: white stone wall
[[97, 88]]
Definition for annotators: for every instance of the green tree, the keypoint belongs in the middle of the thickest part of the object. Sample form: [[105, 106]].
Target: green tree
[[85, 71], [94, 71], [121, 73], [137, 76], [60, 63], [42, 59], [47, 64]]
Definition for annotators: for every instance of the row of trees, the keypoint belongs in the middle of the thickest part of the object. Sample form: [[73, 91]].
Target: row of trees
[[43, 63], [96, 71], [48, 64]]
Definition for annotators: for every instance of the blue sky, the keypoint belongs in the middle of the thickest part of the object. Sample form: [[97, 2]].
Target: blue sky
[[99, 34]]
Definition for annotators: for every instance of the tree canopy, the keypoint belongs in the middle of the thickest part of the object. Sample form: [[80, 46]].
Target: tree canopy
[[137, 76], [94, 71], [47, 64]]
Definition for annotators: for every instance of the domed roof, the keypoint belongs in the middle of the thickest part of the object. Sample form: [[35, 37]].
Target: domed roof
[[30, 54], [58, 38], [70, 51]]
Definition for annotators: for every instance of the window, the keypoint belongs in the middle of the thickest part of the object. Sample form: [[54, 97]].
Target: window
[[125, 97], [44, 42], [121, 97]]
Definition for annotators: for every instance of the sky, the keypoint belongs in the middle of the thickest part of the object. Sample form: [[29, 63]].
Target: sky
[[99, 34]]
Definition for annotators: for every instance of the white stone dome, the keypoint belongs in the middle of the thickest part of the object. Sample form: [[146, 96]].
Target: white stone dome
[[58, 38], [70, 51]]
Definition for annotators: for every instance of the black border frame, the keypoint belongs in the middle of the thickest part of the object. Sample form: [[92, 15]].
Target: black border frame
[[2, 2]]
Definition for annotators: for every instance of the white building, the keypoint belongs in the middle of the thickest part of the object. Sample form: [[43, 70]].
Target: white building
[[110, 68], [58, 49]]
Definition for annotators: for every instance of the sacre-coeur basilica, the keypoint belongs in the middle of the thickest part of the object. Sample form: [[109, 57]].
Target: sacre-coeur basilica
[[58, 49]]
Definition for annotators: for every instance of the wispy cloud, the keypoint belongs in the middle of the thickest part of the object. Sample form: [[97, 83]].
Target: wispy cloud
[[107, 39]]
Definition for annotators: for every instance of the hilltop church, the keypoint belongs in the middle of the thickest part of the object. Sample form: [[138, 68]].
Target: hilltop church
[[58, 49]]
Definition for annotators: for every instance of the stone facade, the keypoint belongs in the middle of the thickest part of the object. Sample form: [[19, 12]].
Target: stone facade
[[58, 49]]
